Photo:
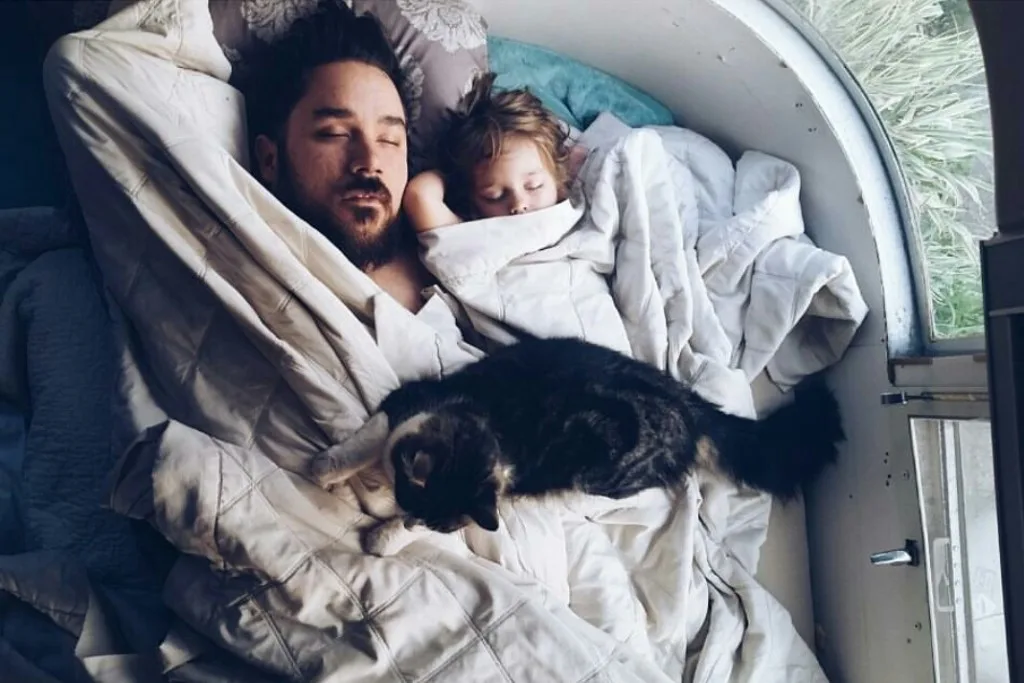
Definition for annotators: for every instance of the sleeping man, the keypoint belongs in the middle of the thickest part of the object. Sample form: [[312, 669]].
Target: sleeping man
[[329, 120]]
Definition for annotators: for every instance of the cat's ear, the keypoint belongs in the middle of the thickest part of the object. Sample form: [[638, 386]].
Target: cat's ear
[[417, 467], [485, 509]]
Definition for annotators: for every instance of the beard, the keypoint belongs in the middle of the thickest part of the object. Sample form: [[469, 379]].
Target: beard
[[371, 237]]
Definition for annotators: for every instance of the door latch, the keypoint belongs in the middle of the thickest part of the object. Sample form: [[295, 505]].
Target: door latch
[[908, 555]]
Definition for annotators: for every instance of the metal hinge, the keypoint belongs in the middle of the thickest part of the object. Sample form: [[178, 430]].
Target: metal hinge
[[902, 398]]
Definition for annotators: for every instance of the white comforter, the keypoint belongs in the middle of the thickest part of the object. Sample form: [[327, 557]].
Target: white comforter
[[679, 259], [255, 346]]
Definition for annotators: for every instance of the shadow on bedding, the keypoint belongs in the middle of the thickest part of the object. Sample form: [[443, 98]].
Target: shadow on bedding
[[61, 553]]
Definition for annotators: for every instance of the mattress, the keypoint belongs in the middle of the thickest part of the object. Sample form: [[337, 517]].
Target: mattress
[[784, 569]]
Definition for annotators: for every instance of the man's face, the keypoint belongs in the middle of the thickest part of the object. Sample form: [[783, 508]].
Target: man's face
[[342, 165]]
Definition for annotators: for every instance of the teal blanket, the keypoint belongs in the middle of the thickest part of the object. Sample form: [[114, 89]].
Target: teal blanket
[[574, 91]]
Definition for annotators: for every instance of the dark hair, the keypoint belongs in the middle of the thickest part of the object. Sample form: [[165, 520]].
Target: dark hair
[[484, 119], [278, 73]]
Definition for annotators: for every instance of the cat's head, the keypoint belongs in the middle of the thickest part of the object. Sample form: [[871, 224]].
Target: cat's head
[[447, 470]]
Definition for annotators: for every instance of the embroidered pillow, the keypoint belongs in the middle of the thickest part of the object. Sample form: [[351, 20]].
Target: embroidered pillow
[[442, 45]]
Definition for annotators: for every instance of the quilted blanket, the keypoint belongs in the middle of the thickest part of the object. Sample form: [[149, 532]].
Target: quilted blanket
[[679, 259], [254, 346]]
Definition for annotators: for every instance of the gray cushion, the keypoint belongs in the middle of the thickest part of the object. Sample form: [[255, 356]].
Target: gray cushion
[[442, 45]]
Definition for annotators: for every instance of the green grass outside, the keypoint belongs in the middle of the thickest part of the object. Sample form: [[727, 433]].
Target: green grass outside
[[920, 64]]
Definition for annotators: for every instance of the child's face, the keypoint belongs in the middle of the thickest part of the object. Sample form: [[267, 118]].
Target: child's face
[[516, 182]]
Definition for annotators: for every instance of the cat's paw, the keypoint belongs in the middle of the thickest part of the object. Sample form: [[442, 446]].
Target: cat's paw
[[385, 538], [326, 470], [344, 460], [335, 466]]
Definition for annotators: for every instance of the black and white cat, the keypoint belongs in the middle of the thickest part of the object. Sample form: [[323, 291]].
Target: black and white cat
[[563, 415]]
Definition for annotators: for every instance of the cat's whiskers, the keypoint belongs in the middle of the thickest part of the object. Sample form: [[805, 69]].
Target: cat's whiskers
[[707, 454], [504, 477]]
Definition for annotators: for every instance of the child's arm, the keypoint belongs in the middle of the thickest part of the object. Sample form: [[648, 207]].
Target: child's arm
[[424, 203]]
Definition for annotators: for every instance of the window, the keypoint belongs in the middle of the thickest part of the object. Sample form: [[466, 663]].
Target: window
[[920, 65]]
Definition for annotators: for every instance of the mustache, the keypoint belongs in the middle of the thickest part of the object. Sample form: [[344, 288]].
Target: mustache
[[366, 185]]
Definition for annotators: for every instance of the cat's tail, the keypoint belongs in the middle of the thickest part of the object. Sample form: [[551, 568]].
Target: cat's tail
[[786, 450]]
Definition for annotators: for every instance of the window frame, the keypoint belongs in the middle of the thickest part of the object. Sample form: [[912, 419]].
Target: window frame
[[992, 363], [963, 369]]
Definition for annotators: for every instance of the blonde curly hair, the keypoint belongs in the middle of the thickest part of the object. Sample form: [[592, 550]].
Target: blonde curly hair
[[479, 126]]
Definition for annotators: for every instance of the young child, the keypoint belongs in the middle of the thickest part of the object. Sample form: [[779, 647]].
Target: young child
[[506, 154]]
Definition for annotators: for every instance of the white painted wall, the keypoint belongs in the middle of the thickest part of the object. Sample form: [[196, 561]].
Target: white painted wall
[[737, 72]]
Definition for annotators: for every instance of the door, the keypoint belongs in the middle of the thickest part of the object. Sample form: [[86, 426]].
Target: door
[[941, 417]]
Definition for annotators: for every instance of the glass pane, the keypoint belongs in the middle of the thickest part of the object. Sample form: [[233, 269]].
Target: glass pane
[[955, 475], [920, 64]]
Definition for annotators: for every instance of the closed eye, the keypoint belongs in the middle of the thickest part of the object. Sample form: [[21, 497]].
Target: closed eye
[[329, 134], [391, 141], [534, 188]]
